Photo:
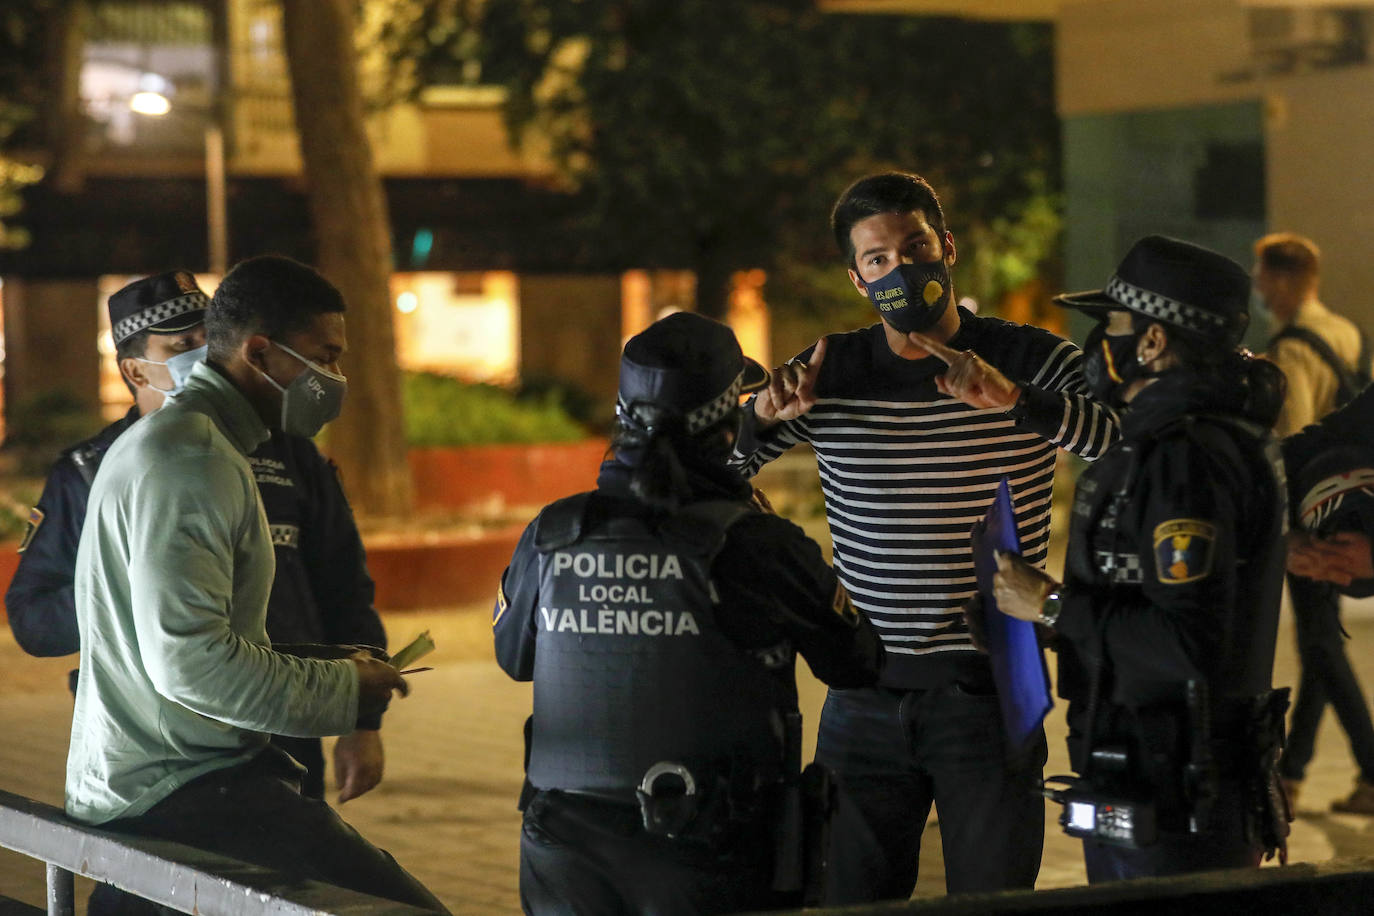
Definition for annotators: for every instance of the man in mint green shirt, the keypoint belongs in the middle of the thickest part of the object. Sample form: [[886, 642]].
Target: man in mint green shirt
[[180, 685]]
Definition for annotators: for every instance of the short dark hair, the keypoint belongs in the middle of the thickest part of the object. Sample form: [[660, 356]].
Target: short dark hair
[[271, 295], [885, 192], [1289, 253], [132, 347]]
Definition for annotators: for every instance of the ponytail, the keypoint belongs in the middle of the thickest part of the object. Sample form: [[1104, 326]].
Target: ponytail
[[653, 442]]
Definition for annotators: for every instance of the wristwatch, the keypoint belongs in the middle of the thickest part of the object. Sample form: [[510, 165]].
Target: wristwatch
[[1050, 608]]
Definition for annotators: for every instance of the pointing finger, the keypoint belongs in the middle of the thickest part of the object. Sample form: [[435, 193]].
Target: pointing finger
[[807, 384], [813, 365], [933, 346]]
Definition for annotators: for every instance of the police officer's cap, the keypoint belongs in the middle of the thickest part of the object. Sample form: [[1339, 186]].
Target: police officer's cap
[[164, 303], [1178, 283], [689, 365], [1337, 490]]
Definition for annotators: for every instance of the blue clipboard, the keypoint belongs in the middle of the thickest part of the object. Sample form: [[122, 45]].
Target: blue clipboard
[[1018, 665]]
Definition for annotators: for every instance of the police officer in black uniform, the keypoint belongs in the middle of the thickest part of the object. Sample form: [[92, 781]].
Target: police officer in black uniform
[[659, 617], [322, 592], [1167, 617]]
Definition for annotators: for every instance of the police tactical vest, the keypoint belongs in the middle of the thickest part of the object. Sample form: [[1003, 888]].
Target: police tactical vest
[[631, 667]]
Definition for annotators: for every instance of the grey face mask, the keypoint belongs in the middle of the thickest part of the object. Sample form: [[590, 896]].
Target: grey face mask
[[179, 368], [312, 399]]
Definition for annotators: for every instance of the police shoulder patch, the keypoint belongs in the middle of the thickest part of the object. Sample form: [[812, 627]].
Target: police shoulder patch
[[501, 604], [35, 519], [1183, 550]]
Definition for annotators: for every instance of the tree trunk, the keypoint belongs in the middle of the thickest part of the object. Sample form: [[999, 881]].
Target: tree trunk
[[65, 40], [713, 270], [348, 209]]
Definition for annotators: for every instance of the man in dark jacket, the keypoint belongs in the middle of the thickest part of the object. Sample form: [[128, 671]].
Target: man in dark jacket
[[322, 592], [1167, 617], [659, 617]]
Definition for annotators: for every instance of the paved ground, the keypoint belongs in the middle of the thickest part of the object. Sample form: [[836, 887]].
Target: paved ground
[[446, 808]]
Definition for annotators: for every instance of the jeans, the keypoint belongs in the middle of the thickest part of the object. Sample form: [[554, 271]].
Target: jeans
[[897, 751], [251, 812], [1326, 677]]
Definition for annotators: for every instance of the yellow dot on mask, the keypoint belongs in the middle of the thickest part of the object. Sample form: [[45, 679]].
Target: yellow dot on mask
[[932, 292]]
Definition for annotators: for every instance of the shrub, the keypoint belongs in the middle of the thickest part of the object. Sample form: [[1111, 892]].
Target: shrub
[[442, 411], [39, 427]]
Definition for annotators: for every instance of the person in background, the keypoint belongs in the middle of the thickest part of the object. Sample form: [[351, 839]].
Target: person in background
[[1320, 353]]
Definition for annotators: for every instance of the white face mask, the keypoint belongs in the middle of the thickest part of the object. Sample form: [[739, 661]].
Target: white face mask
[[312, 399], [179, 367]]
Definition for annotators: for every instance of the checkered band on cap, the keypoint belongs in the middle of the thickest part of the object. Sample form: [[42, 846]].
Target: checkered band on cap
[[1171, 311], [163, 311], [708, 414], [712, 412]]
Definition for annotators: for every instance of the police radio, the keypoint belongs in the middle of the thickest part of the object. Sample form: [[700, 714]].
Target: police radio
[[1107, 815], [1111, 807]]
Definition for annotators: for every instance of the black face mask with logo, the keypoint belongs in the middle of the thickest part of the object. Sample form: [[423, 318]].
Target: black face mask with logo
[[1110, 364], [912, 297]]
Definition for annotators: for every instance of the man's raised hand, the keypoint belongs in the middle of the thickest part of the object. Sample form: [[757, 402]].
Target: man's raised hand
[[970, 378], [792, 391]]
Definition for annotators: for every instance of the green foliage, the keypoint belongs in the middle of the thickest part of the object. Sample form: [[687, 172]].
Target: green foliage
[[716, 136], [40, 426], [14, 511], [576, 401], [442, 411], [22, 88]]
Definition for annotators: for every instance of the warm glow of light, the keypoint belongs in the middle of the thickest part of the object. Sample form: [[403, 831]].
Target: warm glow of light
[[748, 314], [154, 104], [465, 325]]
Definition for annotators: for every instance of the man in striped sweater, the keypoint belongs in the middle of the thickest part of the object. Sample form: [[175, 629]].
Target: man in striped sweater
[[906, 470]]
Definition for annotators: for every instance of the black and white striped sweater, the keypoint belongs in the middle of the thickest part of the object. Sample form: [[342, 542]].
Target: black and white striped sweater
[[906, 471]]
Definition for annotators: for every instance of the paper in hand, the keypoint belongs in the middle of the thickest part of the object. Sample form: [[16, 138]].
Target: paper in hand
[[415, 650]]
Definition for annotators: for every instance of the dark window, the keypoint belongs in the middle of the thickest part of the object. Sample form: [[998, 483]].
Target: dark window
[[1230, 183]]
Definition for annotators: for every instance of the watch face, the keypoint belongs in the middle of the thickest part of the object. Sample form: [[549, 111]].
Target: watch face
[[1049, 608]]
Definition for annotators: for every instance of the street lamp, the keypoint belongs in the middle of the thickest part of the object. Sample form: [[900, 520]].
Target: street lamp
[[150, 100]]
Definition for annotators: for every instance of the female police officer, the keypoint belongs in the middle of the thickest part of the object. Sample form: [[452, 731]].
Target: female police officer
[[659, 617], [1167, 617]]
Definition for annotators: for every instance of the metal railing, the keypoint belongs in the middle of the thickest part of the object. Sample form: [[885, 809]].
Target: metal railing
[[171, 874]]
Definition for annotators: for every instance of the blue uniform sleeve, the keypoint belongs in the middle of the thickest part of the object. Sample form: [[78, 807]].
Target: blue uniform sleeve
[[1183, 525], [513, 617], [335, 559], [40, 603], [773, 582]]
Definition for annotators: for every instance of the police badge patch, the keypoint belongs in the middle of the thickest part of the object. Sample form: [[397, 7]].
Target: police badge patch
[[1183, 550], [35, 519]]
